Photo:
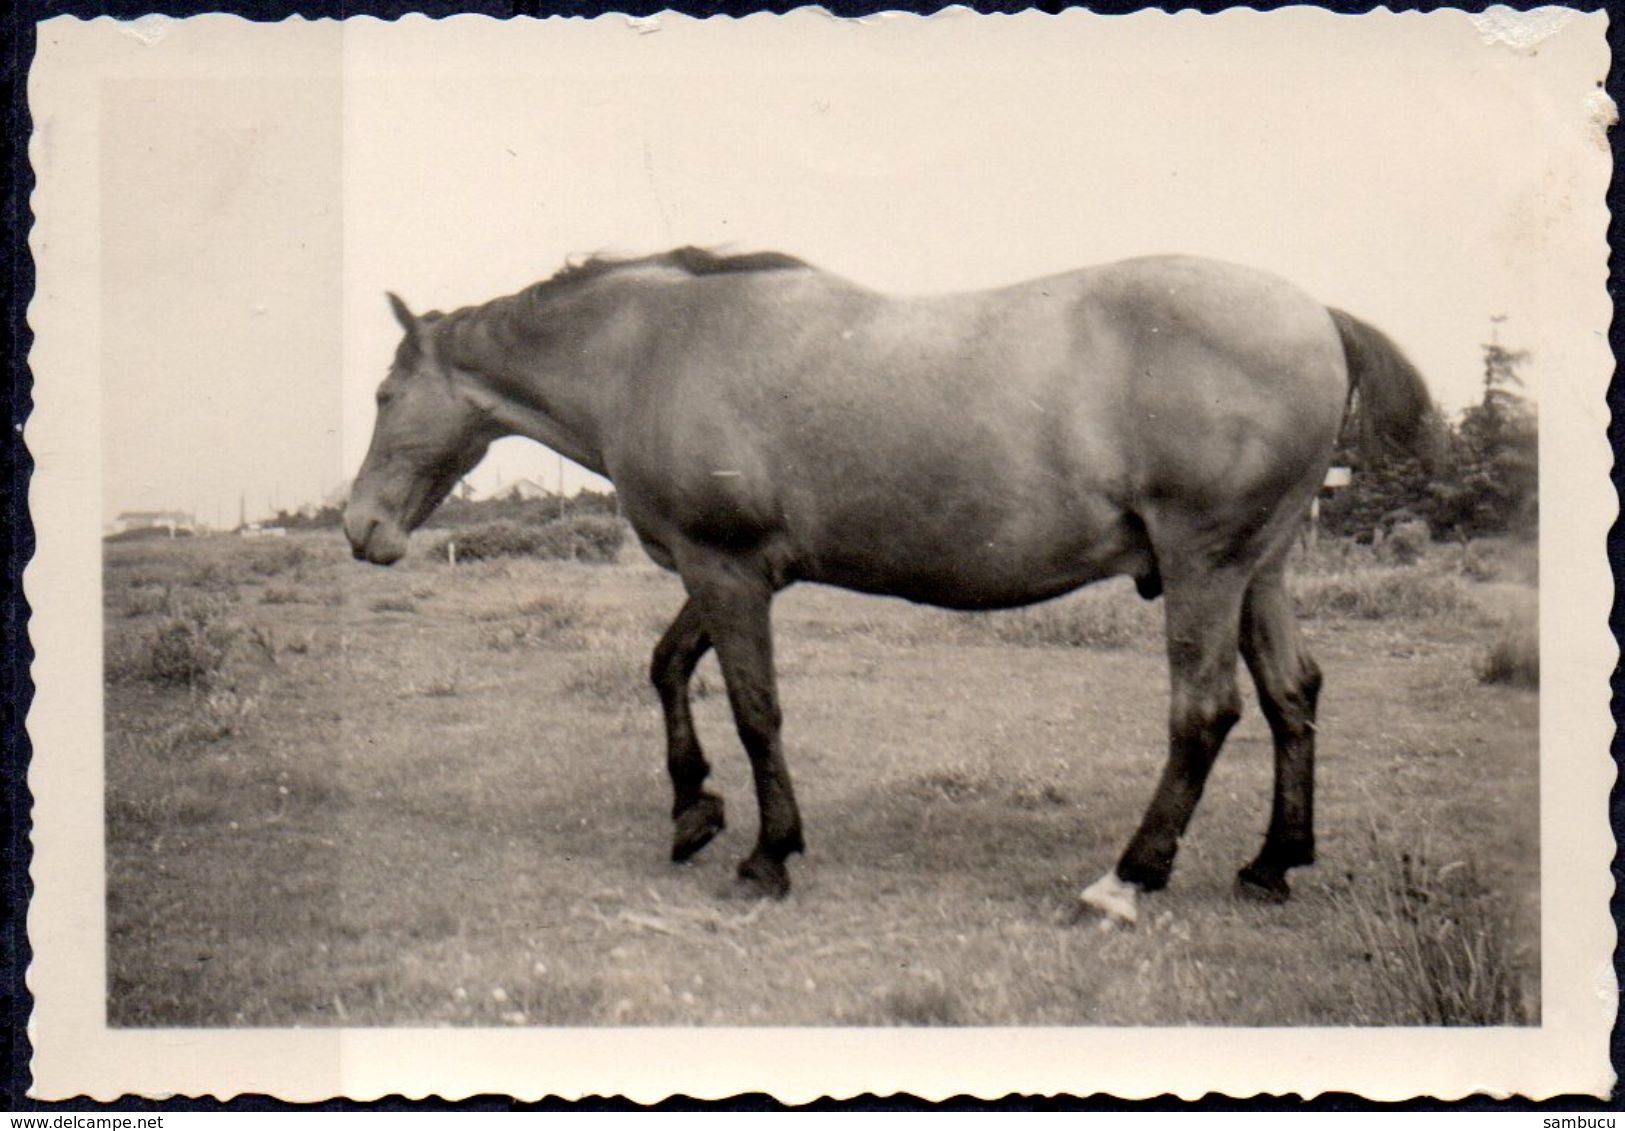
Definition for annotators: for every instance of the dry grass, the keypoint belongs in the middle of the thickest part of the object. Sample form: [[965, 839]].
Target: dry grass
[[1383, 593], [1439, 943], [1107, 617], [547, 621], [279, 558], [399, 818]]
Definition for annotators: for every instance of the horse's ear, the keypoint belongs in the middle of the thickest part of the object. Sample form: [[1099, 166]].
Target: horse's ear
[[403, 315]]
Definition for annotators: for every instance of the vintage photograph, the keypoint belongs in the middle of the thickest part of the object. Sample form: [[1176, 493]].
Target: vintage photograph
[[881, 526]]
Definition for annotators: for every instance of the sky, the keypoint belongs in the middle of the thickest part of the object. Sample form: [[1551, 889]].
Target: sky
[[1397, 166]]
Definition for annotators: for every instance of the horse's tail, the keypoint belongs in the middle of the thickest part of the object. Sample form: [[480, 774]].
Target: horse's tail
[[1389, 404]]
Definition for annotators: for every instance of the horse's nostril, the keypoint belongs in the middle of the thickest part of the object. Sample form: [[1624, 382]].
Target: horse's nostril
[[359, 543]]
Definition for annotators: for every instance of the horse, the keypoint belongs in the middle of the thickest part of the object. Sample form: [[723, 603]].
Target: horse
[[765, 422]]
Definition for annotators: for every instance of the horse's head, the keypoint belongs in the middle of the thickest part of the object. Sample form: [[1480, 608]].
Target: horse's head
[[428, 435]]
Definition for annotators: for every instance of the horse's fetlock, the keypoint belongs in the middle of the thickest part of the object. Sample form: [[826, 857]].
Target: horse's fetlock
[[1149, 875], [789, 844], [686, 779]]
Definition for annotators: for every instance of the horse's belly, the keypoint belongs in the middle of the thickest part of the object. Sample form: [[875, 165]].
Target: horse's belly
[[970, 568]]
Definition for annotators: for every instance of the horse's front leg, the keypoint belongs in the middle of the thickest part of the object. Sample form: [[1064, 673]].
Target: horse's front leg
[[733, 600], [696, 812]]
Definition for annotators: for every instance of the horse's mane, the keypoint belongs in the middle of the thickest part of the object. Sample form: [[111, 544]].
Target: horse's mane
[[694, 261], [474, 329]]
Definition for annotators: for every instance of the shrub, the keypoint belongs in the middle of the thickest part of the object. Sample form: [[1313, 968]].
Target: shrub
[[1407, 542], [497, 540], [283, 557], [587, 537], [190, 649], [583, 538], [1513, 656], [145, 602], [210, 577]]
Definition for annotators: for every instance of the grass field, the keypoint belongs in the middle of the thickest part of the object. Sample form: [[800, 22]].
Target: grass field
[[344, 795]]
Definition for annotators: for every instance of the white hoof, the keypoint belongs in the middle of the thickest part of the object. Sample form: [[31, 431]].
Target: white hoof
[[1118, 901]]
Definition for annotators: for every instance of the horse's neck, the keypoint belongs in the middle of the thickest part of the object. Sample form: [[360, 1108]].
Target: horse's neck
[[537, 385]]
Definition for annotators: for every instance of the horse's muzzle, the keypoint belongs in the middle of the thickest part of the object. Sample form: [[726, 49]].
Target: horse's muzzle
[[373, 538]]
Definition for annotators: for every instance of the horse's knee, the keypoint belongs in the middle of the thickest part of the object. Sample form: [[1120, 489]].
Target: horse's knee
[[1203, 720]]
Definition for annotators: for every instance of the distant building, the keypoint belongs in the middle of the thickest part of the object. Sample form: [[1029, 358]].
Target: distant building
[[518, 489], [171, 521]]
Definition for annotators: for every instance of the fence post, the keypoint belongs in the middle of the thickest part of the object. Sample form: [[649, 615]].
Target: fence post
[[451, 553]]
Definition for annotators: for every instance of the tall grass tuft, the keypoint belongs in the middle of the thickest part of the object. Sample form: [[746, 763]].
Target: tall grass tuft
[[1437, 942], [190, 648], [1513, 656]]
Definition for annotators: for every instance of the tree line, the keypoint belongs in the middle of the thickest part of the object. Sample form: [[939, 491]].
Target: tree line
[[457, 511]]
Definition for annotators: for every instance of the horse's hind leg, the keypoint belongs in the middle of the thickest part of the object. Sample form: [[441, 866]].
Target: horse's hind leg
[[1288, 682], [1204, 614], [733, 602], [696, 812]]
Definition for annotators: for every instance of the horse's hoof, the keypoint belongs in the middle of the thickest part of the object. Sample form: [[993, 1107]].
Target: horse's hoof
[[1118, 901], [696, 825], [762, 877], [1265, 885]]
